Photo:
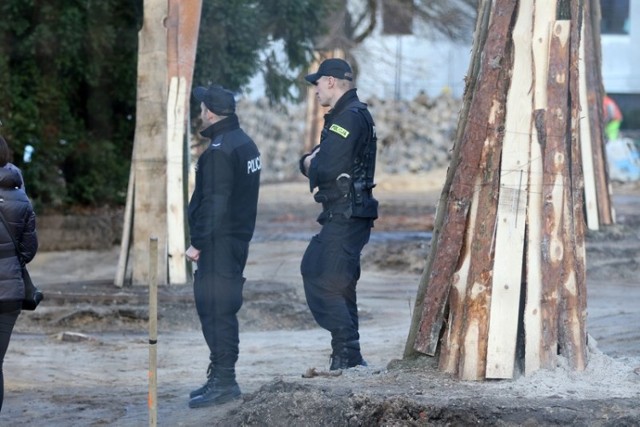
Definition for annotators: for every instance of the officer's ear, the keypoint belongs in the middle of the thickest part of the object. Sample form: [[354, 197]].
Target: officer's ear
[[331, 81], [205, 112]]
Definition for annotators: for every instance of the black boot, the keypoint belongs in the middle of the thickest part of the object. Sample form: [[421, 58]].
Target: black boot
[[346, 355], [199, 391], [221, 388]]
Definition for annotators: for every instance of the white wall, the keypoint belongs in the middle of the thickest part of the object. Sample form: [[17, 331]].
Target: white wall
[[621, 56], [406, 65]]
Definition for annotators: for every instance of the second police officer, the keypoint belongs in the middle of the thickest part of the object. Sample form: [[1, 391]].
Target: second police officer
[[341, 167]]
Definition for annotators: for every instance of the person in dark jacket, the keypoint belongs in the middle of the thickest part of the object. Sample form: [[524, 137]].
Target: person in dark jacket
[[18, 213], [342, 169], [222, 217]]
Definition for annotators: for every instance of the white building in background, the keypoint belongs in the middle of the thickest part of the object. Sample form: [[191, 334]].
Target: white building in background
[[620, 29], [400, 67]]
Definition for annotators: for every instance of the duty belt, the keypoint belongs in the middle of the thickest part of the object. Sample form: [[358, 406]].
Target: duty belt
[[329, 210]]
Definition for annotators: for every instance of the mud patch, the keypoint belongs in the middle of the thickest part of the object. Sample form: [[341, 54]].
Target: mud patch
[[101, 307], [285, 404], [396, 255]]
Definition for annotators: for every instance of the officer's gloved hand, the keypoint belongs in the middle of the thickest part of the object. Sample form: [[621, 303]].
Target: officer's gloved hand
[[311, 154]]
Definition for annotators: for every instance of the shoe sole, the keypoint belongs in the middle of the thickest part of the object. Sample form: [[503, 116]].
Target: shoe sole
[[217, 401], [196, 393]]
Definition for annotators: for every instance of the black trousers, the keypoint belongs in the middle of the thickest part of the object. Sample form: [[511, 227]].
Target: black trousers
[[217, 292], [330, 271], [7, 322]]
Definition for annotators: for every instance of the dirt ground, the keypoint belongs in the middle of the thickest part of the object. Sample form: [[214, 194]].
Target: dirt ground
[[82, 358]]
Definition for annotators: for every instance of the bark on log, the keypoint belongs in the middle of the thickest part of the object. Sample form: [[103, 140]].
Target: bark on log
[[572, 339], [553, 191], [482, 23], [593, 111], [485, 104], [182, 40], [495, 238]]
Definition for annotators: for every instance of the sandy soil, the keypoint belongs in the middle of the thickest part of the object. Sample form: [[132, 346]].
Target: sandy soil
[[82, 357]]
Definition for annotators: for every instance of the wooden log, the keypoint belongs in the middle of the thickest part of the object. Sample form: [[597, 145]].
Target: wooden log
[[554, 158], [125, 241], [482, 23], [588, 167], [475, 310], [182, 41], [467, 168], [572, 338], [452, 341], [543, 19], [149, 158], [592, 121], [511, 214], [313, 117]]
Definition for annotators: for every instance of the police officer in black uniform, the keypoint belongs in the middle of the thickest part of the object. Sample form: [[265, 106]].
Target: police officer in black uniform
[[342, 169], [222, 216]]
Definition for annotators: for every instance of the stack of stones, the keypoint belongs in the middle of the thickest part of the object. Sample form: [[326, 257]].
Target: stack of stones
[[413, 136]]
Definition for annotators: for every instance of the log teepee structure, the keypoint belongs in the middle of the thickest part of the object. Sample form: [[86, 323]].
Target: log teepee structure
[[504, 288]]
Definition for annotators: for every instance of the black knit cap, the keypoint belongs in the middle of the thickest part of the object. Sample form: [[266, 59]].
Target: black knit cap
[[334, 67], [217, 99]]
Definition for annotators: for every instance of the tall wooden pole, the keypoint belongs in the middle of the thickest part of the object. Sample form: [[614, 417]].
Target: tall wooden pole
[[149, 148], [153, 331], [182, 42]]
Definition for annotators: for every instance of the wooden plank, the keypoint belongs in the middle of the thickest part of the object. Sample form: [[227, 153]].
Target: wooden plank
[[590, 194], [182, 40], [125, 241], [554, 158], [474, 328], [543, 18], [176, 239], [314, 114], [467, 168], [533, 274], [512, 204]]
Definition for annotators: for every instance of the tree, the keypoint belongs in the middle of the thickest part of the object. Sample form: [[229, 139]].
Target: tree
[[68, 81], [67, 88], [241, 38]]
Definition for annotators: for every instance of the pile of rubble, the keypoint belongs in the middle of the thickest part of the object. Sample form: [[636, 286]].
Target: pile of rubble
[[413, 136]]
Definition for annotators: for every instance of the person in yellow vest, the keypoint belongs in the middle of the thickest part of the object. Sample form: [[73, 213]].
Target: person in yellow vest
[[612, 118]]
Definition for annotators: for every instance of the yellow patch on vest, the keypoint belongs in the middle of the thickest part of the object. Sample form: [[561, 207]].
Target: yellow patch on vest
[[339, 130]]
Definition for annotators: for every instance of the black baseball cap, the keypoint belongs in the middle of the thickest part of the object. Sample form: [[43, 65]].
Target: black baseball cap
[[217, 99], [334, 67]]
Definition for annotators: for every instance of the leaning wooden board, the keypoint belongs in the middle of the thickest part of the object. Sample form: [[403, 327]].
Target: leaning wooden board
[[512, 204]]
